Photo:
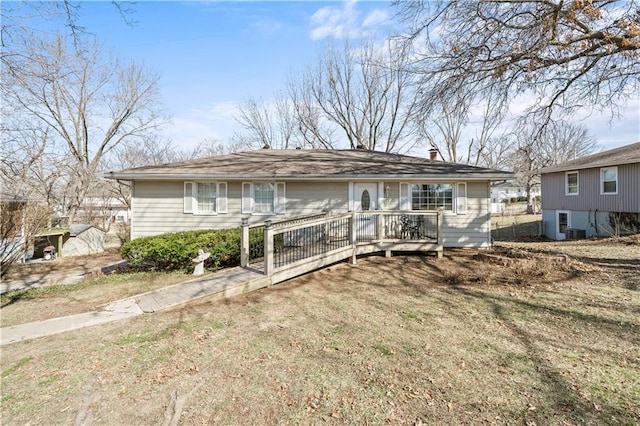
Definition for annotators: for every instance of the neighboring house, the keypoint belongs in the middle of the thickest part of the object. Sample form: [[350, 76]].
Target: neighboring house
[[505, 191], [598, 195], [12, 227], [20, 219], [102, 210], [217, 192]]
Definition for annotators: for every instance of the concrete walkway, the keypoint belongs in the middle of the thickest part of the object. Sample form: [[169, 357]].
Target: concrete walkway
[[225, 283], [56, 277]]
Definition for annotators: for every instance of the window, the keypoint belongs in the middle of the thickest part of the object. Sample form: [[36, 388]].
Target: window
[[609, 179], [365, 203], [432, 196], [263, 197], [571, 183], [205, 197]]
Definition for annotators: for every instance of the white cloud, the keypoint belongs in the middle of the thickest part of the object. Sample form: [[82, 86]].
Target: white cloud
[[345, 22], [376, 18]]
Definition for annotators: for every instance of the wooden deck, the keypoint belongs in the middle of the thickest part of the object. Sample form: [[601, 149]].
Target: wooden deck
[[304, 246]]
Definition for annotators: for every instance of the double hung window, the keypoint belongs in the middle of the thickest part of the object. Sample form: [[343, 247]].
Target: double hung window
[[263, 197], [609, 180], [434, 196], [571, 183], [205, 197]]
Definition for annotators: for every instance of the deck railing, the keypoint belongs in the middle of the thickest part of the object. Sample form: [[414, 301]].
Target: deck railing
[[254, 254], [276, 246]]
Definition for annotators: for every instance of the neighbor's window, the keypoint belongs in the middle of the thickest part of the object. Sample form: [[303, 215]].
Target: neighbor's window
[[572, 183], [432, 196], [609, 179]]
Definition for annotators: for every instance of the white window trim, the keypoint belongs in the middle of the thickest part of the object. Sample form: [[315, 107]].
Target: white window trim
[[405, 203], [566, 183], [247, 198], [187, 200], [461, 206], [279, 198], [602, 170], [190, 200], [404, 200]]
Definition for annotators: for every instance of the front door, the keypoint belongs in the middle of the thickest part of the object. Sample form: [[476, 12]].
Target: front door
[[365, 198], [563, 221]]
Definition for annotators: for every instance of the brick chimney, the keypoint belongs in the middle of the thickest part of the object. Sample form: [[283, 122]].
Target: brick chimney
[[433, 154]]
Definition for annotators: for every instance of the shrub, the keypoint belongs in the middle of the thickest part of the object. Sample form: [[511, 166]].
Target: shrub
[[175, 251]]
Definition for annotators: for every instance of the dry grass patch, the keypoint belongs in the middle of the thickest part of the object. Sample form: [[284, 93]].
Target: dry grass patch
[[405, 340]]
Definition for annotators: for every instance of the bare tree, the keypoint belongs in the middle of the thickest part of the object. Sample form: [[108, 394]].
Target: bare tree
[[313, 129], [366, 92], [568, 54], [559, 142], [22, 20], [20, 220], [273, 125], [497, 152], [208, 148], [487, 146], [442, 125], [86, 101]]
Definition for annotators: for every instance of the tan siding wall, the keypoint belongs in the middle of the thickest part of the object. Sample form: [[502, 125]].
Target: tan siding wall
[[589, 198], [474, 228], [158, 208], [312, 197]]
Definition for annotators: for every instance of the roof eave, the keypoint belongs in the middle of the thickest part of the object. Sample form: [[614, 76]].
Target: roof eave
[[342, 177], [595, 165]]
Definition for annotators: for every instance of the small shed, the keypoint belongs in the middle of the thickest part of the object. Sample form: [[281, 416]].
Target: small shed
[[83, 239]]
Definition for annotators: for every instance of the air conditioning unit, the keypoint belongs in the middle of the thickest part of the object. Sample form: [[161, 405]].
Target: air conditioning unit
[[575, 234]]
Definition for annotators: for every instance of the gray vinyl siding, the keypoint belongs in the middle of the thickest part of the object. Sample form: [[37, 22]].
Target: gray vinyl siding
[[626, 200], [472, 229]]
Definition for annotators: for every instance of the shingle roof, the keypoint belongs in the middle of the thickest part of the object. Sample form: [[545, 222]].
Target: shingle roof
[[627, 154], [309, 164]]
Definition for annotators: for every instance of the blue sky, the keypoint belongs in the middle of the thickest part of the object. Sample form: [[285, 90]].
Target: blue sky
[[211, 56]]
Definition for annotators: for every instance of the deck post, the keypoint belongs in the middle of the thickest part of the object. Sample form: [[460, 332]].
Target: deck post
[[268, 248], [353, 236], [379, 223], [244, 243], [440, 232]]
